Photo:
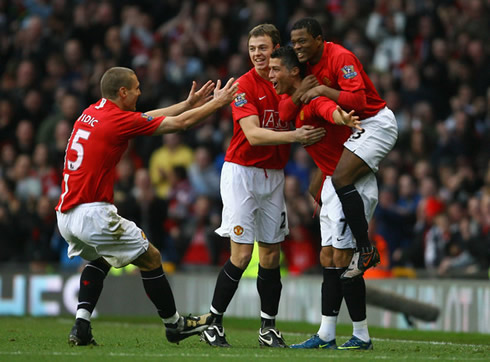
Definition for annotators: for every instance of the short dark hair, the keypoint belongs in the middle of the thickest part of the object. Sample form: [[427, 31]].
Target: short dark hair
[[266, 29], [311, 25], [115, 78], [289, 59]]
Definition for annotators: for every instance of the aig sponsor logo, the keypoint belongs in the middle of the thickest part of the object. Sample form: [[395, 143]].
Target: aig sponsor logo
[[272, 121]]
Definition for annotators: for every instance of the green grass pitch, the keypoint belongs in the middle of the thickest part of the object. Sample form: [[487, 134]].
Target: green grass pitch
[[143, 339]]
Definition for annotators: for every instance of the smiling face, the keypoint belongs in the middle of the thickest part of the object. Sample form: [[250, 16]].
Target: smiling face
[[259, 50], [281, 77], [306, 47]]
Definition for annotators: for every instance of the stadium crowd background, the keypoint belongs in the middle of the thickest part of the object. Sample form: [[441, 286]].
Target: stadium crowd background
[[428, 59]]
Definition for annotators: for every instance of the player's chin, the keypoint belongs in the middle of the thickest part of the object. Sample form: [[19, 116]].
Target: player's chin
[[302, 57]]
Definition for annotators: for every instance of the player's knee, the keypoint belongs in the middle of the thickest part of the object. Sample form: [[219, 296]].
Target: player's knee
[[270, 260], [155, 258], [149, 260], [340, 179], [241, 259], [342, 257], [326, 257]]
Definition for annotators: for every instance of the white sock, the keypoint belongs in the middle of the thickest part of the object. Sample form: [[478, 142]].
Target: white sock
[[173, 319], [361, 330], [327, 328], [83, 314]]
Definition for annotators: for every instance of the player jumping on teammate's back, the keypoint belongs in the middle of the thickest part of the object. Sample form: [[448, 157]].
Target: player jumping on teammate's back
[[343, 79]]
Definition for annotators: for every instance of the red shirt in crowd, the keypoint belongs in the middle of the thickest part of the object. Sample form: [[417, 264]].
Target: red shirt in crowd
[[256, 96], [98, 140]]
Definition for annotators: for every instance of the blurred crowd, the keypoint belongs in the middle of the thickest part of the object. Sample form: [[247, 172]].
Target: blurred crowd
[[428, 59]]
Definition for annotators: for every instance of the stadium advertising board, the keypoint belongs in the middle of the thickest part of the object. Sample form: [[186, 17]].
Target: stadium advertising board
[[464, 305]]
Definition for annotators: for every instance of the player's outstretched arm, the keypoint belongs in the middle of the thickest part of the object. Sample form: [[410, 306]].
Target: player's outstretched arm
[[343, 118], [258, 136], [194, 99], [183, 121]]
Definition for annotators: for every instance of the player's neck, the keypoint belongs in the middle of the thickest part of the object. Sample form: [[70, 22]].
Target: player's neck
[[264, 73], [318, 55], [296, 84]]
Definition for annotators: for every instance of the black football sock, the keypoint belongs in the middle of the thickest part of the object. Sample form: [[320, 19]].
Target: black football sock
[[269, 287], [91, 284], [353, 208], [158, 290], [354, 291], [226, 286], [331, 292]]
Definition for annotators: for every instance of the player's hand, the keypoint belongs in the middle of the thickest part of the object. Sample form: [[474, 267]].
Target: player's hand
[[312, 93], [203, 95], [308, 135], [226, 94], [349, 119], [307, 83]]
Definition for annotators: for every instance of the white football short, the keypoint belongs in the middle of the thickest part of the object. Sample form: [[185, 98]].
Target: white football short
[[253, 204], [377, 139], [334, 229], [95, 230]]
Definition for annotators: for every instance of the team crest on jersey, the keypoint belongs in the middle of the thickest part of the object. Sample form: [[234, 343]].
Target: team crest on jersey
[[148, 118], [302, 115], [238, 230], [240, 100], [327, 81], [348, 71]]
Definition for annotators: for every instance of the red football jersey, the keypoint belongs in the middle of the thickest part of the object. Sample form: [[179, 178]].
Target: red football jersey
[[256, 96], [326, 152], [98, 140], [340, 69]]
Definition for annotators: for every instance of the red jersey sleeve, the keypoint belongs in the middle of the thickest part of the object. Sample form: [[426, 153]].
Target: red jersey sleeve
[[244, 105], [323, 107], [138, 124], [348, 70], [288, 110], [356, 100]]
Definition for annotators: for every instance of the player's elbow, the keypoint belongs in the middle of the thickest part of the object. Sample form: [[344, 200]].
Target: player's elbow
[[362, 104], [182, 123], [254, 141]]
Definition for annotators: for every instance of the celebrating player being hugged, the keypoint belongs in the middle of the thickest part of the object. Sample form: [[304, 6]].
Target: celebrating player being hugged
[[87, 218]]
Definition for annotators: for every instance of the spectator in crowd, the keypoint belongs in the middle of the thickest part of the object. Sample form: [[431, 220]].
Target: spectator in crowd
[[68, 110], [173, 153], [203, 176]]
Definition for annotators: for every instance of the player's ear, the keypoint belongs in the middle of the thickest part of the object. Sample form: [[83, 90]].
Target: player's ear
[[295, 71], [123, 92]]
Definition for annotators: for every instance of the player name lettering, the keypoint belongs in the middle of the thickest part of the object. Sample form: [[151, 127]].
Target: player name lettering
[[85, 118]]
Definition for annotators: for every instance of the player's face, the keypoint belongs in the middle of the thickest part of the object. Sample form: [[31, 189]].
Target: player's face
[[259, 50], [280, 76], [305, 46], [132, 94]]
